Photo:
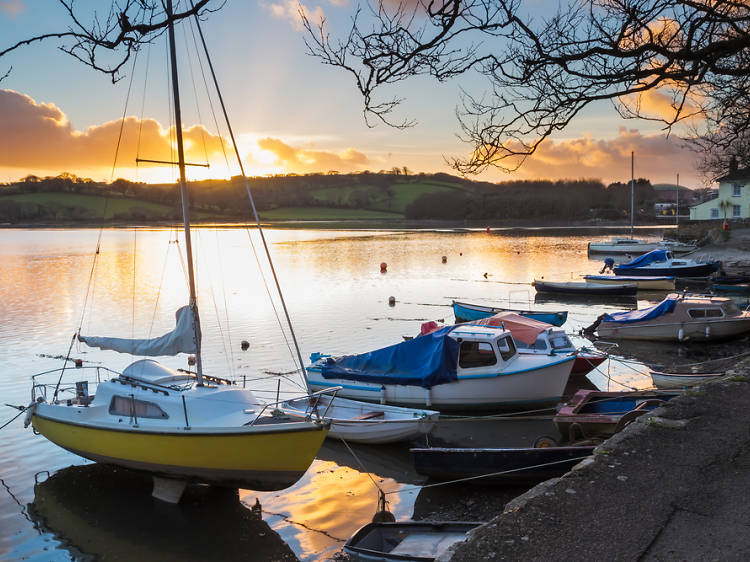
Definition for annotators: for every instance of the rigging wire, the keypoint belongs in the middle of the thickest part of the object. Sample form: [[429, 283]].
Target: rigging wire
[[250, 196], [195, 96]]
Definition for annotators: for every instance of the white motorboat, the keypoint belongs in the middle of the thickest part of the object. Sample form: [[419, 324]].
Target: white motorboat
[[464, 367], [637, 246], [363, 422], [662, 262], [678, 317]]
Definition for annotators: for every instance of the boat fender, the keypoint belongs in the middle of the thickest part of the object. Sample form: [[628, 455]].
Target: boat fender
[[681, 334], [708, 331], [428, 397], [30, 409], [382, 394]]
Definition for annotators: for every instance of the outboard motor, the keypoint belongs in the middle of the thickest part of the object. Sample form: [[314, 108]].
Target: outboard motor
[[609, 264]]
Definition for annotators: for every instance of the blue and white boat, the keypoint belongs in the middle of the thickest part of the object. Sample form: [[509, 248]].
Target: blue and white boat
[[460, 368], [662, 262], [465, 312]]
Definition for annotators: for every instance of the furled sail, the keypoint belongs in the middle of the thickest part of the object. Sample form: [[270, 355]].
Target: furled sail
[[179, 340]]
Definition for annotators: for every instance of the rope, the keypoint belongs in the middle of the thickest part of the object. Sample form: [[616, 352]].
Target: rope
[[480, 476], [6, 424]]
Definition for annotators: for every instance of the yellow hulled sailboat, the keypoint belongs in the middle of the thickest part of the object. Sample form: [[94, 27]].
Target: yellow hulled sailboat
[[180, 426]]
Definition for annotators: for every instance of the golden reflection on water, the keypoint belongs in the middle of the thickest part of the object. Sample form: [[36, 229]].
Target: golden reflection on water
[[326, 507]]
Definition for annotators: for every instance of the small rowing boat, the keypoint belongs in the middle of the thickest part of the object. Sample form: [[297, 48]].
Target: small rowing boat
[[465, 312], [585, 288], [682, 380], [644, 282]]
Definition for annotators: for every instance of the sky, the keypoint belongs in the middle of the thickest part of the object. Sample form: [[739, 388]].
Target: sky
[[290, 113]]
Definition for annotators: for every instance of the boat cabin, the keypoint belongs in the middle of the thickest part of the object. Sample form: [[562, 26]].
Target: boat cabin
[[483, 346]]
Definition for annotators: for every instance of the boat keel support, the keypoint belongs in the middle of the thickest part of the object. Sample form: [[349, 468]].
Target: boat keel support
[[168, 489]]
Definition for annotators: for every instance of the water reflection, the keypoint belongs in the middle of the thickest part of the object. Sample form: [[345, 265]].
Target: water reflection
[[101, 512]]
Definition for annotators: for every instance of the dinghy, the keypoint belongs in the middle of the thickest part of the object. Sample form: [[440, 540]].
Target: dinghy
[[465, 312]]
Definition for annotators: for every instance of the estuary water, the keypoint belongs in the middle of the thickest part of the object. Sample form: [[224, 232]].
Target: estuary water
[[57, 506]]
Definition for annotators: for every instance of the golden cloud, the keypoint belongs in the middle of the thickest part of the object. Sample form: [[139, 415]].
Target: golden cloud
[[38, 135], [292, 10], [657, 157], [300, 160]]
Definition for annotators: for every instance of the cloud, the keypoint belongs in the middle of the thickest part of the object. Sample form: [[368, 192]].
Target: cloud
[[291, 10], [12, 7], [657, 158], [38, 135], [301, 160]]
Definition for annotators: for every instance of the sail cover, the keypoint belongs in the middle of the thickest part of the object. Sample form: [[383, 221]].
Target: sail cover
[[524, 329], [665, 306], [179, 340], [645, 259], [424, 361]]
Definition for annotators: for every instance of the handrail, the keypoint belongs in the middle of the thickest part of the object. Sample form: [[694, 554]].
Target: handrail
[[333, 389]]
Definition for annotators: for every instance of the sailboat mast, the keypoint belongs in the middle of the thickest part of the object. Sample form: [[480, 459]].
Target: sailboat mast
[[632, 192], [677, 200], [184, 194]]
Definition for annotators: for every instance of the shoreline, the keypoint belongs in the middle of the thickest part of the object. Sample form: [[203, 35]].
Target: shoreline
[[663, 488]]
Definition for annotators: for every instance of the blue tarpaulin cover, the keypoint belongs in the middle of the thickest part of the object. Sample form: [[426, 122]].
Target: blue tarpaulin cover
[[665, 306], [424, 361], [645, 259]]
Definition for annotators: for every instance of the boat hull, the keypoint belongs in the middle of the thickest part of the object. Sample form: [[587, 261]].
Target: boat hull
[[644, 283], [465, 312], [359, 422], [251, 457], [498, 466], [534, 382], [704, 330], [589, 289], [677, 381], [703, 270]]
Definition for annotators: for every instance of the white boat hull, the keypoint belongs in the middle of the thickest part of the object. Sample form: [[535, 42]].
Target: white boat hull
[[674, 380], [643, 283], [365, 422], [704, 330], [531, 380]]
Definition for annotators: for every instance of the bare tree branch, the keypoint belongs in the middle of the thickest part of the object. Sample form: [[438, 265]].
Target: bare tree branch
[[691, 56]]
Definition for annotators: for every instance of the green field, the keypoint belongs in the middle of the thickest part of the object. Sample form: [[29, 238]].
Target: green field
[[324, 213], [403, 194], [91, 206]]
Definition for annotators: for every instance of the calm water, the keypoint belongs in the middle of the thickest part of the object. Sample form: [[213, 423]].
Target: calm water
[[338, 300]]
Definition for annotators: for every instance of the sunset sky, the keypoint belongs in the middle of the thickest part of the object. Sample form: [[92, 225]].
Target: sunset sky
[[291, 113]]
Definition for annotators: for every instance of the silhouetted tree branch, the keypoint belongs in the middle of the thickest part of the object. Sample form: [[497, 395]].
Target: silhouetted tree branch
[[106, 44], [673, 61]]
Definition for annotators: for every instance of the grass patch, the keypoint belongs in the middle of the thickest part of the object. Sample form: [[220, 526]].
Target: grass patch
[[325, 213], [738, 378]]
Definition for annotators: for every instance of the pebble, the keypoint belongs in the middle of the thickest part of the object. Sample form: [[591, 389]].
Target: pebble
[[570, 491], [622, 478], [525, 538]]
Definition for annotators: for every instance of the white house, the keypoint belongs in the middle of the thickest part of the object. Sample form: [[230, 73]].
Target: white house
[[733, 201]]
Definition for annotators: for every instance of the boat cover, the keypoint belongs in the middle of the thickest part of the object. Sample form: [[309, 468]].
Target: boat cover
[[665, 306], [179, 340], [524, 329], [645, 259], [424, 361]]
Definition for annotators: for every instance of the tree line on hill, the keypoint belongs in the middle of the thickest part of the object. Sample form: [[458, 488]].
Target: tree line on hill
[[457, 199]]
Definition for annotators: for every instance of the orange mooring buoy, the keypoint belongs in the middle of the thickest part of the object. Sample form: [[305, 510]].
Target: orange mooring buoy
[[383, 267]]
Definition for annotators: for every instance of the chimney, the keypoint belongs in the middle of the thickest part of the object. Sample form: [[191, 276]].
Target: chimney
[[733, 165]]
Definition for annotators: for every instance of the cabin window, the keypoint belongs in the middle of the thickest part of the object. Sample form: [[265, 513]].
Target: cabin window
[[127, 406], [561, 341], [476, 354], [697, 313], [540, 344], [731, 309], [507, 348], [714, 313], [736, 211]]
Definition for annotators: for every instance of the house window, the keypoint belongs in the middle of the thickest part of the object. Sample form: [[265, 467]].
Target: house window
[[736, 211], [736, 190], [714, 213]]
